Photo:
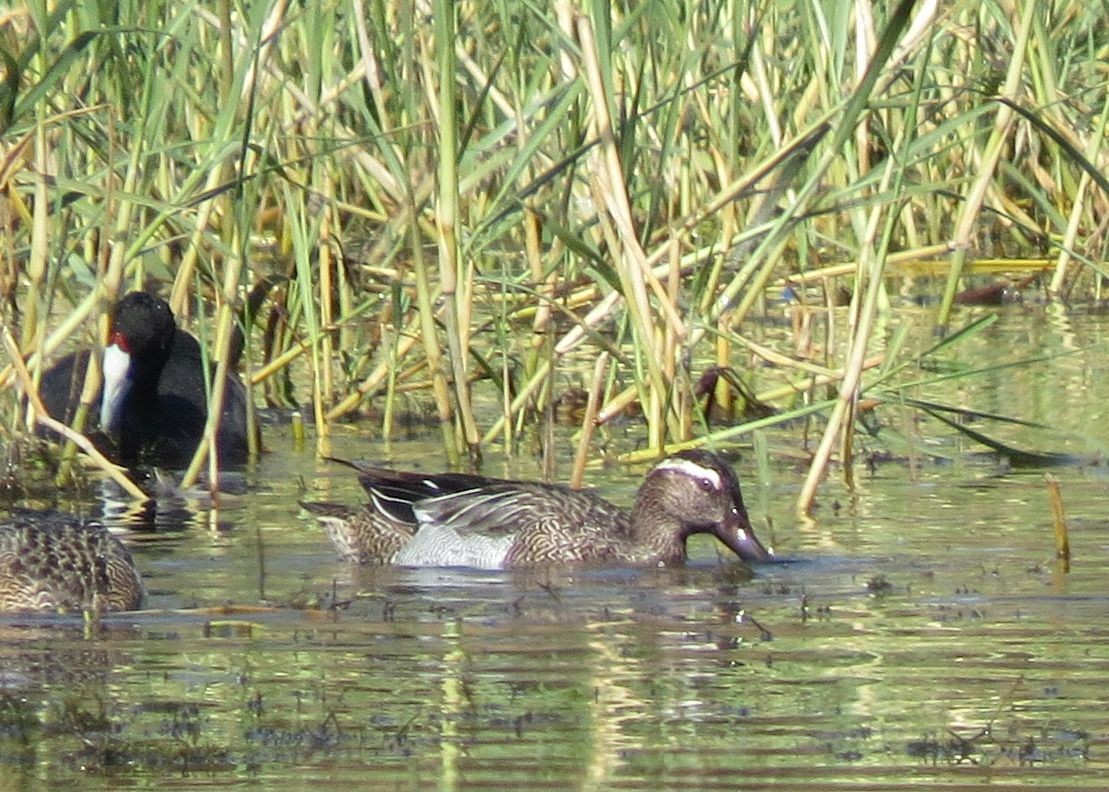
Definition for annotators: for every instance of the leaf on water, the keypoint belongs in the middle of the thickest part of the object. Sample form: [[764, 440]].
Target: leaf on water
[[1015, 456]]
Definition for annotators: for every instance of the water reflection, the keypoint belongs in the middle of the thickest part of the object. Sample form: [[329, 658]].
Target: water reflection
[[922, 637]]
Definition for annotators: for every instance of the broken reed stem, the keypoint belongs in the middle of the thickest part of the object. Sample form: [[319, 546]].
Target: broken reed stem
[[1059, 520]]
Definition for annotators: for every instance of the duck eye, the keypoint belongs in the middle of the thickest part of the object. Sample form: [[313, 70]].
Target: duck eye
[[706, 485]]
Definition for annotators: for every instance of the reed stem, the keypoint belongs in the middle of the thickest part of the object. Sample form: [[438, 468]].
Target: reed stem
[[455, 278], [987, 160]]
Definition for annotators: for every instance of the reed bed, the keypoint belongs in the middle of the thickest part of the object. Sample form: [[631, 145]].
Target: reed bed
[[453, 199]]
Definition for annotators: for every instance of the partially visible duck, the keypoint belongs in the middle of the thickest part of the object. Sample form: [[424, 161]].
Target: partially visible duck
[[59, 563], [457, 519], [154, 402]]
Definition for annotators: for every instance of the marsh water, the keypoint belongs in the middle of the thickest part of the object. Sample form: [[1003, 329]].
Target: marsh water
[[920, 635]]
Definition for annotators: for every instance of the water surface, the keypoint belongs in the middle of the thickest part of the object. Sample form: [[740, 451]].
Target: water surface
[[921, 636]]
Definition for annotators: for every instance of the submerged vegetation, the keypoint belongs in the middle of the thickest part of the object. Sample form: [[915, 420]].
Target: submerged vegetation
[[458, 199]]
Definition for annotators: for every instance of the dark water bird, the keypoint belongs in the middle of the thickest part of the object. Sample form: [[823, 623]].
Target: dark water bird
[[458, 519], [1000, 291], [153, 405], [60, 563]]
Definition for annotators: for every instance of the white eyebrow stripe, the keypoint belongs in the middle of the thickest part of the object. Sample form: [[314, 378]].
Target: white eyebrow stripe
[[691, 469]]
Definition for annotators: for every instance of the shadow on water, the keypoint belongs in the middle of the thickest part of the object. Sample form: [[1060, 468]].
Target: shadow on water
[[921, 636]]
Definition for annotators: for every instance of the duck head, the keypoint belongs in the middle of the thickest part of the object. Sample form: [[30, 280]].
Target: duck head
[[139, 343], [700, 491]]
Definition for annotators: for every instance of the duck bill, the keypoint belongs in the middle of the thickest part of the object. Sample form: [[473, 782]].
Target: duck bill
[[736, 532], [116, 384]]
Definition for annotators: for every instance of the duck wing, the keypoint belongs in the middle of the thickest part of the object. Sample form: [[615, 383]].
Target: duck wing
[[514, 524], [505, 508], [393, 493]]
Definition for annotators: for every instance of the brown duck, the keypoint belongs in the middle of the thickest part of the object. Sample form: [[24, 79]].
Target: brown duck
[[63, 564], [457, 519]]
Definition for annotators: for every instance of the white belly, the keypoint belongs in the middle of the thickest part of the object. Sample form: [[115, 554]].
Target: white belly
[[437, 545]]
